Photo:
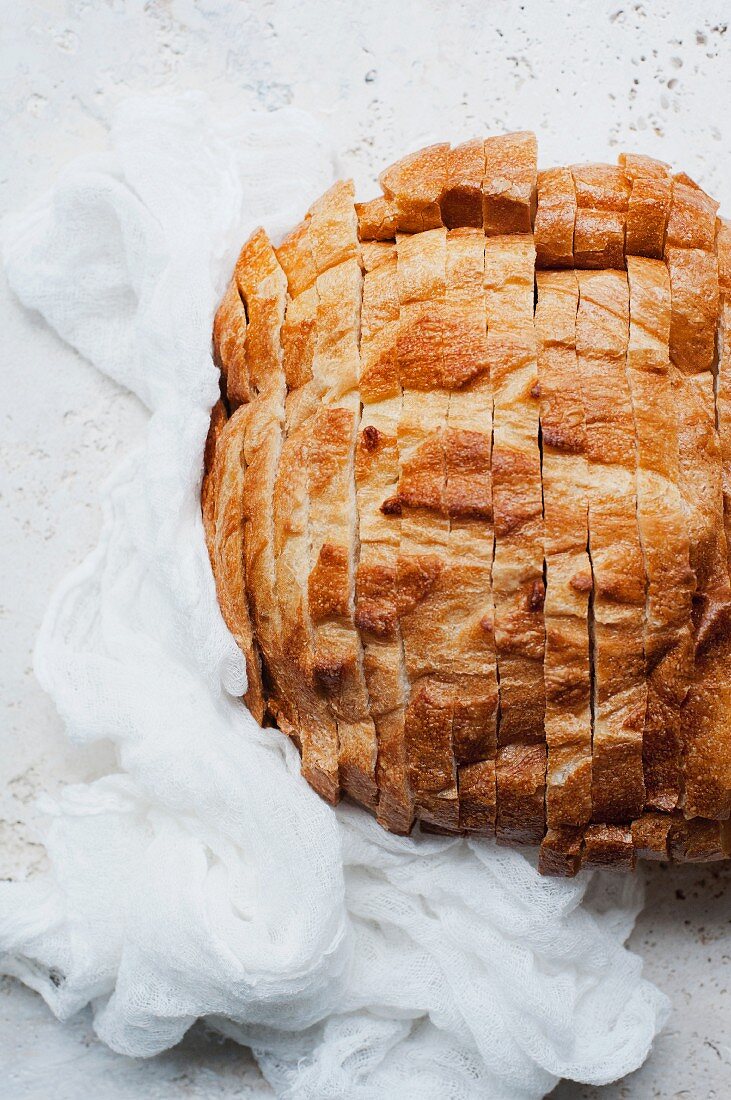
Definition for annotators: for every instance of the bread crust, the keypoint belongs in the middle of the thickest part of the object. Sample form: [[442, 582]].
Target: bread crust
[[475, 546], [461, 201], [609, 847], [223, 486], [649, 205], [555, 218], [377, 219], [262, 285], [618, 605], [517, 575], [414, 187], [377, 476], [509, 184], [602, 201], [560, 851], [668, 637], [422, 576], [693, 267], [566, 668], [229, 335], [469, 506], [333, 529]]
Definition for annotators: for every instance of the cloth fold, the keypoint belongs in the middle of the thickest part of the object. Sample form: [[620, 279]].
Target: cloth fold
[[205, 879]]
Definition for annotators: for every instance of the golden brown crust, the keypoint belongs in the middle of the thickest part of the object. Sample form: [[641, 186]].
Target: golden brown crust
[[566, 669], [333, 520], [560, 852], [602, 200], [461, 200], [663, 530], [229, 335], [708, 733], [608, 846], [223, 515], [414, 186], [333, 228], [263, 286], [694, 288], [509, 183], [302, 710], [692, 216], [517, 575], [219, 416], [424, 583], [650, 836], [697, 314], [377, 475], [297, 260], [377, 219], [468, 501], [375, 253], [299, 333], [696, 841], [555, 218], [618, 604], [422, 576], [649, 205]]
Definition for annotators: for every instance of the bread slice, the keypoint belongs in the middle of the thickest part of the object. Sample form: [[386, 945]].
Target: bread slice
[[301, 710], [697, 840], [707, 738], [648, 207], [219, 416], [223, 485], [693, 269], [694, 287], [229, 335], [375, 253], [555, 218], [691, 217], [377, 219], [723, 384], [608, 846], [414, 186], [296, 258], [560, 851], [333, 228], [602, 201], [566, 669], [263, 286], [509, 184], [333, 521], [468, 497], [706, 716], [701, 488], [423, 586], [517, 576], [650, 834], [377, 476], [461, 200], [668, 639], [618, 605]]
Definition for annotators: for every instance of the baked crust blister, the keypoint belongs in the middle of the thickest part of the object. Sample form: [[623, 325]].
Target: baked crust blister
[[467, 500]]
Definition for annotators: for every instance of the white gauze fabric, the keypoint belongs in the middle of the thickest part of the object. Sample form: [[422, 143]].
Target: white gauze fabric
[[205, 878]]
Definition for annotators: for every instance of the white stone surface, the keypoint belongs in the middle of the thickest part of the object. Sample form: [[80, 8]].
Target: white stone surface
[[590, 77]]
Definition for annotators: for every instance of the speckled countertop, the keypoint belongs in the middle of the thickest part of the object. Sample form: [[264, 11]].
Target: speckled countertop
[[590, 77]]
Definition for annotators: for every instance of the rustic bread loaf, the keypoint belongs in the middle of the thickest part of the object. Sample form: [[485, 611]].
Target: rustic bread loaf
[[467, 499]]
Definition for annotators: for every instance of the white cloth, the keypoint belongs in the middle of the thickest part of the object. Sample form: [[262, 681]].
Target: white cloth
[[205, 879]]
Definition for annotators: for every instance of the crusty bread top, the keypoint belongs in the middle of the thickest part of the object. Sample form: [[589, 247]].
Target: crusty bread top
[[467, 499]]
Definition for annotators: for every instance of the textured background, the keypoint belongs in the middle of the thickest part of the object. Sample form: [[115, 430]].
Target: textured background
[[590, 77]]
